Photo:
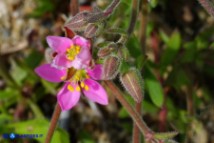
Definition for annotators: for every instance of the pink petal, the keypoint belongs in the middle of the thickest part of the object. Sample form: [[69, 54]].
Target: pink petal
[[59, 44], [78, 63], [82, 42], [66, 98], [85, 54], [61, 62], [95, 92], [50, 73], [96, 72]]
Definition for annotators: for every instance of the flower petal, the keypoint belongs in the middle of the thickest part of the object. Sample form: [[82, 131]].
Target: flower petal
[[82, 42], [59, 44], [85, 54], [50, 73], [61, 62], [96, 72], [95, 92], [78, 63], [66, 98]]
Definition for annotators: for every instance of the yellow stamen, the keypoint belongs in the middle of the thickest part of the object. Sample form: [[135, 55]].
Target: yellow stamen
[[72, 51], [86, 87], [77, 78], [70, 88], [77, 88], [82, 84]]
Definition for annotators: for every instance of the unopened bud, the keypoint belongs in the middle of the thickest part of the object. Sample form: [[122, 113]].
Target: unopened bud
[[91, 30], [78, 22], [96, 17], [133, 83], [103, 52], [123, 52], [111, 67]]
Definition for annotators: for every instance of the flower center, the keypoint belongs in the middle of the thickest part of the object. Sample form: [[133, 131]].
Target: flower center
[[72, 51], [80, 75]]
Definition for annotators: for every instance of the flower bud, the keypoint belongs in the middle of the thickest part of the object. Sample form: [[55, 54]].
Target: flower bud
[[78, 22], [133, 83], [103, 52], [123, 52], [91, 30], [111, 67], [96, 17]]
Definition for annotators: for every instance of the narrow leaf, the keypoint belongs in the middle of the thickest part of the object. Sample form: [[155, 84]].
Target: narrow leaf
[[153, 87]]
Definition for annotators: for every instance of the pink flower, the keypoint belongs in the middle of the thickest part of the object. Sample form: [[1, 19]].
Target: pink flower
[[76, 81], [69, 52]]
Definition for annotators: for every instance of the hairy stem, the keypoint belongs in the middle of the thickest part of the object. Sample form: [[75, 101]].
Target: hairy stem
[[135, 9], [136, 132], [53, 123], [208, 6], [74, 7], [135, 116], [111, 7]]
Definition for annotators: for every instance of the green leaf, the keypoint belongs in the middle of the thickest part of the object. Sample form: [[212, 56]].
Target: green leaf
[[85, 137], [34, 59], [153, 87], [4, 119], [38, 126], [173, 46], [35, 109], [124, 67], [17, 72], [165, 135], [150, 108], [43, 6], [178, 78], [123, 113], [133, 46], [164, 36], [8, 97], [50, 87], [190, 52]]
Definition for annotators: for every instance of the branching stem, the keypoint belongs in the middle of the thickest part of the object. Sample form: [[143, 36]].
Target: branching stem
[[135, 116]]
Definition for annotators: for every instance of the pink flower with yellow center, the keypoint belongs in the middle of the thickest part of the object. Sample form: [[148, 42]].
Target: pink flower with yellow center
[[76, 82], [69, 52]]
